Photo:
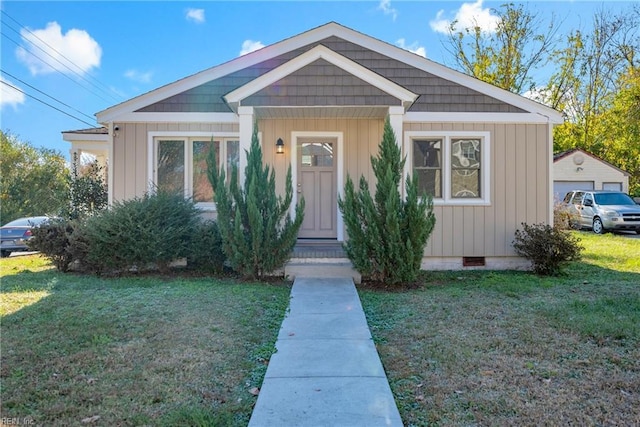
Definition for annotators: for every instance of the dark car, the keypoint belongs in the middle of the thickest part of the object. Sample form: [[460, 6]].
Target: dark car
[[14, 235], [603, 210]]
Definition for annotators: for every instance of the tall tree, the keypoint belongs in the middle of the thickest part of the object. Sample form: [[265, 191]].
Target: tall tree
[[33, 181], [257, 231], [590, 71], [507, 56], [618, 130]]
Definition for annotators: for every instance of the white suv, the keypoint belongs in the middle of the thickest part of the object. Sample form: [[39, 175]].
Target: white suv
[[603, 210]]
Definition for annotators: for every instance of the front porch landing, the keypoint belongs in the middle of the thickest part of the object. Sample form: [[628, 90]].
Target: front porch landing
[[320, 258]]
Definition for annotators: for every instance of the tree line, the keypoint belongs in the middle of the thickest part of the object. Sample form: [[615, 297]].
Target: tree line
[[39, 181], [592, 76]]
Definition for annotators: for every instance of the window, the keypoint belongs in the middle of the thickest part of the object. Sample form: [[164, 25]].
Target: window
[[181, 164], [451, 166], [427, 164], [465, 168]]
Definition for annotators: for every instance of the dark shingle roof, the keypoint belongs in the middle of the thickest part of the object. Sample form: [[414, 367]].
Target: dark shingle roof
[[91, 131]]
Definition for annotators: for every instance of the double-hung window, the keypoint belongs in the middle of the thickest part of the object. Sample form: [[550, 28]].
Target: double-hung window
[[180, 164], [453, 167]]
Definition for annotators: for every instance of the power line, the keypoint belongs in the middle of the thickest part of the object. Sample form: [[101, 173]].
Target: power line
[[65, 75], [47, 104], [45, 94], [107, 92]]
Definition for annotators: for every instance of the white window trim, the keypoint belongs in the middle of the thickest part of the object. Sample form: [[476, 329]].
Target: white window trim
[[447, 136], [186, 136]]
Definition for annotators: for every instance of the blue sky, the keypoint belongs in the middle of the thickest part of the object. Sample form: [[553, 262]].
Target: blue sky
[[98, 54]]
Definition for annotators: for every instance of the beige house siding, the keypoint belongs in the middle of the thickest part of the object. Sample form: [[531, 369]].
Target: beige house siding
[[361, 139], [519, 182], [130, 153], [589, 169], [519, 173]]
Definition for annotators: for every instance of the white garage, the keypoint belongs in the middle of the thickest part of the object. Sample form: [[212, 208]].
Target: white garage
[[579, 170]]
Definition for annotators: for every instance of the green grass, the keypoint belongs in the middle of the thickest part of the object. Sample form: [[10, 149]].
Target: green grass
[[132, 351], [511, 348]]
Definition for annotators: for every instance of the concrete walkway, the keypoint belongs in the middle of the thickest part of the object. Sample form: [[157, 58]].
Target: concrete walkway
[[326, 371]]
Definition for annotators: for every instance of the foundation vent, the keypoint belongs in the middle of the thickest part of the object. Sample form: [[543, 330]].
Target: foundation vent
[[473, 261]]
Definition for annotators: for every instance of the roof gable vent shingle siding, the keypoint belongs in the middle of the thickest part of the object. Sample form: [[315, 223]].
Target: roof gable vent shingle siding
[[436, 94]]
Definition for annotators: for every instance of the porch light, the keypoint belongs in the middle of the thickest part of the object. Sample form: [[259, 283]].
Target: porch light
[[279, 146]]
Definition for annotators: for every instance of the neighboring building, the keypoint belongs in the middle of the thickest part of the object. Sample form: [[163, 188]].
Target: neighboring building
[[483, 152], [579, 170]]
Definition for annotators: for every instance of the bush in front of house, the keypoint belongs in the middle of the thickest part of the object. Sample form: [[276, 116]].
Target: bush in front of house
[[51, 239], [387, 235], [258, 233], [145, 232], [548, 248], [205, 254]]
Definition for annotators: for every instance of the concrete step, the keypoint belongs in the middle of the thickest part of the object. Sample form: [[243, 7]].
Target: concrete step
[[321, 267]]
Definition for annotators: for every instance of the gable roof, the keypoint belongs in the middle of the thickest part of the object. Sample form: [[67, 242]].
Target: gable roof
[[564, 154], [405, 97], [317, 35]]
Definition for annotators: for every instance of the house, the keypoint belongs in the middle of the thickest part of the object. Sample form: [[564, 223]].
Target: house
[[320, 100], [580, 170]]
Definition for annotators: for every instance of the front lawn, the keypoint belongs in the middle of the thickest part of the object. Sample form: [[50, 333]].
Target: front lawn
[[81, 350], [509, 348]]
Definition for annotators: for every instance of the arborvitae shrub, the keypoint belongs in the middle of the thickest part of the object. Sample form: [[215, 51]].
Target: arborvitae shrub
[[386, 234], [548, 248], [258, 233]]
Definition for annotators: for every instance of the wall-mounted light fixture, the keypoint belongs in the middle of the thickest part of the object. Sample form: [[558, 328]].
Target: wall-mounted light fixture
[[579, 169], [279, 146]]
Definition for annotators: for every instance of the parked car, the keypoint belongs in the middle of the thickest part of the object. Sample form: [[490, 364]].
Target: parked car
[[14, 235], [603, 211]]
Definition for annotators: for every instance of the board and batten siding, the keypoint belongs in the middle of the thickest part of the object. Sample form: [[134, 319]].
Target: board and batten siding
[[519, 187], [360, 138], [130, 153], [519, 173]]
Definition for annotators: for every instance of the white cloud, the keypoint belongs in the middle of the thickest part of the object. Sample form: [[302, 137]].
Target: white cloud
[[9, 96], [195, 15], [249, 46], [139, 76], [385, 6], [413, 47], [76, 49], [468, 16]]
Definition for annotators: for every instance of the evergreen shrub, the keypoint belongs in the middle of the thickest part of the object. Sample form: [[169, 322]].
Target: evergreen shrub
[[205, 252], [145, 232], [386, 234], [258, 233], [51, 239]]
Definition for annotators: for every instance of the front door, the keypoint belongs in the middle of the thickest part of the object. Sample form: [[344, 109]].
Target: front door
[[317, 183]]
